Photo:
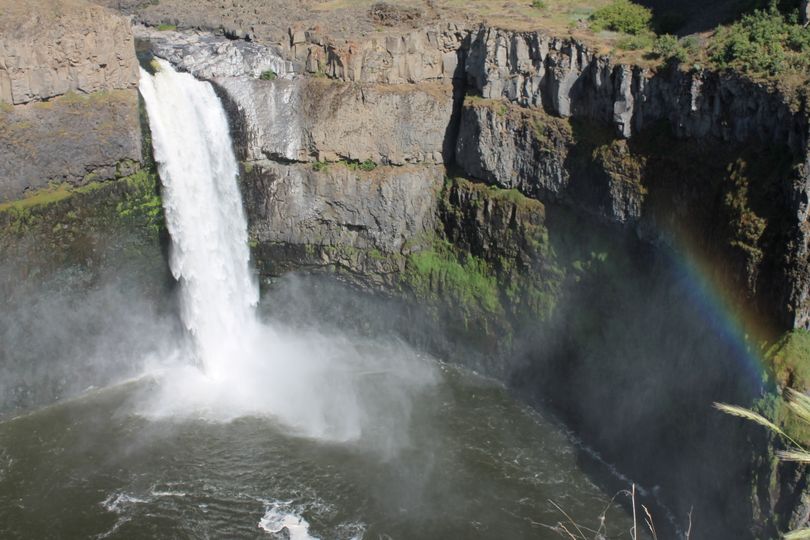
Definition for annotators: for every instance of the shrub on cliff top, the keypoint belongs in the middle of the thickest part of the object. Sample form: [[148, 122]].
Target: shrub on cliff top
[[765, 42], [669, 47], [622, 16]]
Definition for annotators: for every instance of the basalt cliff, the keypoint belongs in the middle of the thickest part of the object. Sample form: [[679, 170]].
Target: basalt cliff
[[580, 228]]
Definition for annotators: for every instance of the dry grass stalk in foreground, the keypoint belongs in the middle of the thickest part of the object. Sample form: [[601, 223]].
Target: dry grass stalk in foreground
[[799, 404], [574, 531]]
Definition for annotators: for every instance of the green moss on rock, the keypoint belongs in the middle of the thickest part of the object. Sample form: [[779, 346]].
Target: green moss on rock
[[445, 273], [92, 226], [789, 360]]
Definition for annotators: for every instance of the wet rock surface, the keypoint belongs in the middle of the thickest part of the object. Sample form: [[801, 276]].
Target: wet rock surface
[[207, 56]]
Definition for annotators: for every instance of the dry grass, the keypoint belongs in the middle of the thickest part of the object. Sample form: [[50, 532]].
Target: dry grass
[[572, 530], [799, 404], [558, 17], [742, 412]]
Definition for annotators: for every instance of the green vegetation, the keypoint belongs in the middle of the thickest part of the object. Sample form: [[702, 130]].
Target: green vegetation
[[622, 16], [789, 360], [142, 201], [638, 42], [353, 165], [791, 424], [167, 27], [628, 18], [539, 4], [114, 222], [462, 279], [320, 166], [747, 227], [765, 42], [669, 47], [138, 193], [268, 75], [40, 197], [155, 65], [367, 165]]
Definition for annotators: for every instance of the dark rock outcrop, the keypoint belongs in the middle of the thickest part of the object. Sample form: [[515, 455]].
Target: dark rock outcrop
[[74, 139]]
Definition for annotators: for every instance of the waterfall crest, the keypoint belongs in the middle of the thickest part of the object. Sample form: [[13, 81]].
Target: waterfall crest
[[204, 214]]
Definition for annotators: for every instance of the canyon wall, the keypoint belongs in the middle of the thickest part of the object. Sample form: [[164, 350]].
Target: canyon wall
[[535, 205], [68, 95], [81, 226]]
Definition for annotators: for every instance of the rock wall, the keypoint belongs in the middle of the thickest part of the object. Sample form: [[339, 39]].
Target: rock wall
[[426, 54], [340, 218], [323, 120], [48, 48], [74, 139], [68, 97], [567, 80]]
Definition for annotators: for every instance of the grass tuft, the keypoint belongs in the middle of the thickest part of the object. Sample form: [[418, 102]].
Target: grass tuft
[[742, 412]]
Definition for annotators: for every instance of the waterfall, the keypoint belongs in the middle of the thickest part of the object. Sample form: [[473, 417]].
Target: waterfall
[[204, 214], [324, 385]]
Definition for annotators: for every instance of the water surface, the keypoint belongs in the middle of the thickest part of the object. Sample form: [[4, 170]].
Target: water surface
[[475, 464]]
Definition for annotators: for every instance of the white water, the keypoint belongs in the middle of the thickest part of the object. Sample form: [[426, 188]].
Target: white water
[[204, 214], [320, 385]]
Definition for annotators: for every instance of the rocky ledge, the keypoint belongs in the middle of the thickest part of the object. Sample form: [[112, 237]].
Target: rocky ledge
[[68, 95]]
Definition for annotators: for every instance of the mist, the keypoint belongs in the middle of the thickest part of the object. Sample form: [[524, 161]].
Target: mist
[[69, 333], [319, 382]]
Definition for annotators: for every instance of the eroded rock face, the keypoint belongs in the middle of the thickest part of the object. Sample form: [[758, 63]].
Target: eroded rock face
[[207, 56], [385, 124], [74, 139], [568, 79], [315, 119], [425, 54], [340, 217], [48, 48], [81, 58]]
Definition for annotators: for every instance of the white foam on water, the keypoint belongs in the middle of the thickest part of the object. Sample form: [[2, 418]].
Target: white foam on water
[[277, 518], [119, 502], [318, 385]]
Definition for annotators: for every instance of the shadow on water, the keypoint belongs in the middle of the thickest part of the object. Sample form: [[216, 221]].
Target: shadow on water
[[632, 361]]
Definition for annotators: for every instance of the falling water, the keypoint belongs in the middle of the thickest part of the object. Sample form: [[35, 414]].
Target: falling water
[[316, 383], [204, 214]]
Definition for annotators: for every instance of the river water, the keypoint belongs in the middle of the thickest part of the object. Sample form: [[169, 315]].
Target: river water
[[475, 464]]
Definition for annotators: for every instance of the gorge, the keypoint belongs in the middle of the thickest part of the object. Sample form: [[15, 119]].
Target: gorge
[[430, 277]]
